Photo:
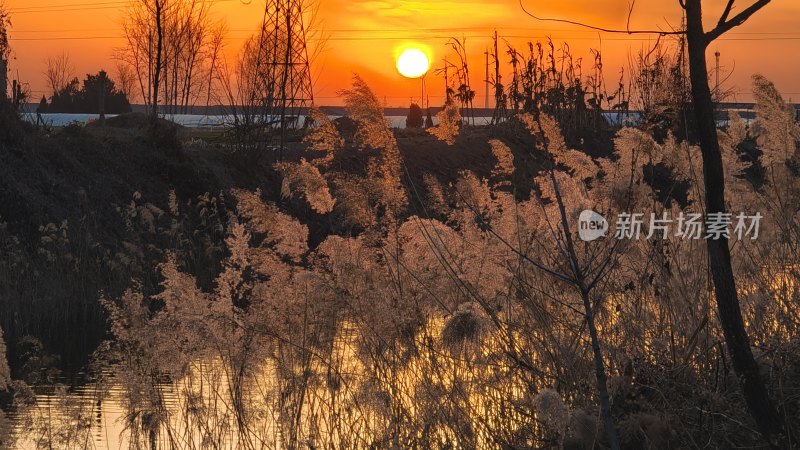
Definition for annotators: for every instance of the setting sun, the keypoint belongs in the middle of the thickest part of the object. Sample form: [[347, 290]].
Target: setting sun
[[413, 63]]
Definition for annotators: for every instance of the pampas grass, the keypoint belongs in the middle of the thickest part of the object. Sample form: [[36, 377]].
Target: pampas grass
[[551, 410], [5, 373], [449, 124], [465, 328]]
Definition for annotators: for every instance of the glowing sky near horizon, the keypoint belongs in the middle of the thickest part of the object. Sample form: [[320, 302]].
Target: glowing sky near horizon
[[362, 36]]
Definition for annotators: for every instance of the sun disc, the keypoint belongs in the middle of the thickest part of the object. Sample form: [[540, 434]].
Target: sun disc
[[413, 63]]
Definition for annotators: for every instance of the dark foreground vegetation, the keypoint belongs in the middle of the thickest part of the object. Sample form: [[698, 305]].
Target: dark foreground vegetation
[[69, 193], [384, 288], [373, 288]]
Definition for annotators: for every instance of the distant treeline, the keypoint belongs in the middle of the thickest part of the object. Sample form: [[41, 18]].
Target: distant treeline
[[96, 94]]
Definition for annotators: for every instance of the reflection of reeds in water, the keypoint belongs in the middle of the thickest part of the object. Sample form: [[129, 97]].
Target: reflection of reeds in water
[[55, 419], [342, 399]]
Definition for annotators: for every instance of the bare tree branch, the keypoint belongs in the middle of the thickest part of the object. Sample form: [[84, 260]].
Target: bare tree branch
[[726, 13], [126, 79], [58, 72], [631, 5], [605, 30], [725, 26]]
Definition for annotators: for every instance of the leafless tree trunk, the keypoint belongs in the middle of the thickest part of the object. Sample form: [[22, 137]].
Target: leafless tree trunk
[[159, 53], [216, 46], [584, 285], [755, 392]]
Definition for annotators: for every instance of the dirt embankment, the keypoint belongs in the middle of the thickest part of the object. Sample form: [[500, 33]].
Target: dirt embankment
[[76, 171]]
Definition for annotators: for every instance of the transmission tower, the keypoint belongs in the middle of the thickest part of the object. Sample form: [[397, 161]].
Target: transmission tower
[[289, 73]]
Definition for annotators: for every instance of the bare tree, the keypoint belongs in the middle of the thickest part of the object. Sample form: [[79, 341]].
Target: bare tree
[[760, 405], [5, 22], [144, 34], [172, 48], [755, 392], [58, 72], [247, 95], [215, 49], [125, 78], [158, 13]]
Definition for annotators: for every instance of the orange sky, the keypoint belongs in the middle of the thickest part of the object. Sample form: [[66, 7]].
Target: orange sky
[[363, 36]]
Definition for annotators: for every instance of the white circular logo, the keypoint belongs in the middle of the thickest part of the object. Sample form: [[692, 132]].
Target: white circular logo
[[591, 225]]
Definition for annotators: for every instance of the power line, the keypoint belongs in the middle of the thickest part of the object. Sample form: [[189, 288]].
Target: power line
[[421, 37], [66, 5], [64, 31], [66, 38], [434, 30], [69, 7], [64, 10], [538, 30]]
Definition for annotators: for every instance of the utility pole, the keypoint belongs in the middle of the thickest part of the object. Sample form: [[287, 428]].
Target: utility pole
[[716, 70], [486, 101], [3, 78], [446, 83], [15, 90], [102, 99], [422, 94]]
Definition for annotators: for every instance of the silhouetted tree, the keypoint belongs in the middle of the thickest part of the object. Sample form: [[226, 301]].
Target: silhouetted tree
[[86, 99], [9, 120], [42, 108], [414, 118], [5, 22], [755, 392], [94, 86], [59, 70], [64, 100], [171, 51]]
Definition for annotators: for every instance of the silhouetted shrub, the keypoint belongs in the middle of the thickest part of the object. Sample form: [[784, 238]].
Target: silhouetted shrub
[[415, 118]]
